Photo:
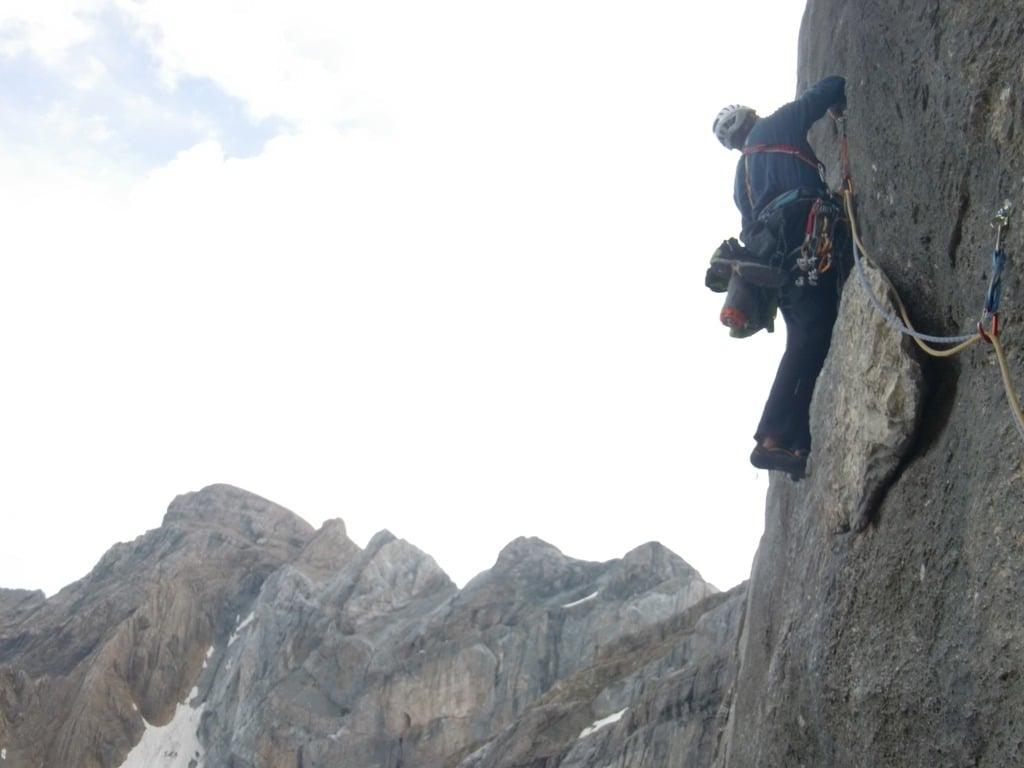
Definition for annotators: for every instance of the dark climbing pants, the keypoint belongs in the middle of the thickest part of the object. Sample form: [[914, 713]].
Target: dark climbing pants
[[810, 313]]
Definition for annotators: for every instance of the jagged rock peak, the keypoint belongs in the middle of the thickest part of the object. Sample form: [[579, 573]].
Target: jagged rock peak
[[390, 574], [532, 566], [226, 505], [205, 520], [527, 553], [532, 558], [658, 559], [123, 646], [328, 551], [525, 547]]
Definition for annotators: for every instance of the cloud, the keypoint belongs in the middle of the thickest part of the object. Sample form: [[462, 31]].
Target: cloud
[[47, 29], [285, 61], [89, 93]]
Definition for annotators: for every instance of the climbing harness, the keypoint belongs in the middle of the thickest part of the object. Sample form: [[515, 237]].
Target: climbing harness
[[788, 149], [990, 310], [785, 149], [813, 256]]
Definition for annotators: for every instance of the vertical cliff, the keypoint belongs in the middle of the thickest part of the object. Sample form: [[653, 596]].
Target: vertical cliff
[[901, 644]]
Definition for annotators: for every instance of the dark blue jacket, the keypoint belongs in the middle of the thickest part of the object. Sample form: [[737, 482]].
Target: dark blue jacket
[[763, 176]]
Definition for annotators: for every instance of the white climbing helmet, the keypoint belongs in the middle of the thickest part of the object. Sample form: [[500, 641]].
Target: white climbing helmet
[[730, 120]]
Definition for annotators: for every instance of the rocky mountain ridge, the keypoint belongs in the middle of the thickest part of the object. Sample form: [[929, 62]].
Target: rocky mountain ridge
[[290, 646]]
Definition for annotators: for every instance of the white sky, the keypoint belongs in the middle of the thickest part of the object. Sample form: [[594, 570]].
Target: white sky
[[430, 267]]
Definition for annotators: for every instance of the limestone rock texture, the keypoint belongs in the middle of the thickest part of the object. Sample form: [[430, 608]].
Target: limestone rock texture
[[884, 611], [882, 622]]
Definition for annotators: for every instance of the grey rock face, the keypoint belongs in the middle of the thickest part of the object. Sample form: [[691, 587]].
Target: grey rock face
[[650, 698], [387, 663], [901, 645]]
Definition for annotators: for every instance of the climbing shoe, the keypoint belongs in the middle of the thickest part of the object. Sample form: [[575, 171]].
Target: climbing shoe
[[781, 459]]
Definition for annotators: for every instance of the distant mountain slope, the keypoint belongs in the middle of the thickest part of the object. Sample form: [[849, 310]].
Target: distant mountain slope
[[236, 635]]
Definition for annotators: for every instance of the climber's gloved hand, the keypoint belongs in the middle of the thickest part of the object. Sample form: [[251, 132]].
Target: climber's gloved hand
[[837, 110]]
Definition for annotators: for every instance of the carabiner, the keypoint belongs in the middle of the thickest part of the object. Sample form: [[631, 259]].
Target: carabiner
[[993, 332], [1001, 221]]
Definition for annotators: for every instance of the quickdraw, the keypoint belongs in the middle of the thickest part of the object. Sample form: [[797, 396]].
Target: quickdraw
[[990, 312]]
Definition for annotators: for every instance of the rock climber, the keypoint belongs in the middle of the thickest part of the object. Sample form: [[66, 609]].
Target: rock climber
[[778, 181]]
